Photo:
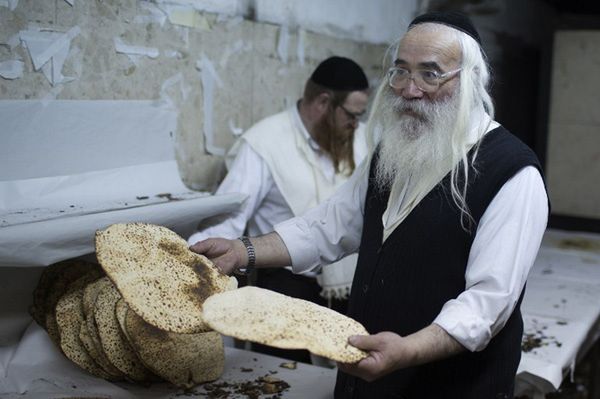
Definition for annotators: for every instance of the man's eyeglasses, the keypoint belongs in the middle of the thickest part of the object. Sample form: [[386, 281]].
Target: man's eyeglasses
[[426, 80], [354, 116]]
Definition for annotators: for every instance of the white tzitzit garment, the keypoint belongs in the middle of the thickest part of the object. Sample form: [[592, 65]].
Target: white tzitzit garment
[[336, 279], [294, 160]]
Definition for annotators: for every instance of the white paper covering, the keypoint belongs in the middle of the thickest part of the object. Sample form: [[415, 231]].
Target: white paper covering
[[561, 308]]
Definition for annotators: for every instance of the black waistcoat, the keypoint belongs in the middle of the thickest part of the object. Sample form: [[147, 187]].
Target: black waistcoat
[[401, 286]]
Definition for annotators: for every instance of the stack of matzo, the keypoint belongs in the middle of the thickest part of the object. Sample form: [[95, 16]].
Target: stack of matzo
[[138, 317]]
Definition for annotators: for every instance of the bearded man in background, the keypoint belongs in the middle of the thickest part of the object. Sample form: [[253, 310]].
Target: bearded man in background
[[453, 210], [288, 163]]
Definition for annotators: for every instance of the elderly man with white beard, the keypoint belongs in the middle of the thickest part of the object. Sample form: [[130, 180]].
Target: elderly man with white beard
[[453, 211]]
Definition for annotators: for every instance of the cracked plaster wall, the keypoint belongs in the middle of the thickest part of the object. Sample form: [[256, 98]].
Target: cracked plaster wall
[[256, 82]]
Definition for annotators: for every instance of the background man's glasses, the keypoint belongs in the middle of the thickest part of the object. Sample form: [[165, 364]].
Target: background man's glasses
[[426, 80], [354, 116]]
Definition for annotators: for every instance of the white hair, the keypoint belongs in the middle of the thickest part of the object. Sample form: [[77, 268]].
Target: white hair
[[472, 96]]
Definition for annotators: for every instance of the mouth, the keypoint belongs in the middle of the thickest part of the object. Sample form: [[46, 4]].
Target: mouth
[[411, 113]]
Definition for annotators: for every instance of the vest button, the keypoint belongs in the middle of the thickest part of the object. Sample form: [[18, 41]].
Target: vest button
[[350, 386], [365, 288]]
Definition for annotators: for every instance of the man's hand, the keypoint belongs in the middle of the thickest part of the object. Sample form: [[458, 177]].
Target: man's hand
[[385, 352], [227, 255], [389, 351]]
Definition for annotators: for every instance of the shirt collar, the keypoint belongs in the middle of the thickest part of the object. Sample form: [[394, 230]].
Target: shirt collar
[[300, 126]]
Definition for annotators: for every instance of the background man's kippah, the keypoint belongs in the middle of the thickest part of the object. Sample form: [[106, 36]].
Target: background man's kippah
[[339, 73], [454, 19]]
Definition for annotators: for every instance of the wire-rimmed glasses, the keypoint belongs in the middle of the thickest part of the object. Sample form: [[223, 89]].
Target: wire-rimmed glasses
[[426, 80], [353, 116]]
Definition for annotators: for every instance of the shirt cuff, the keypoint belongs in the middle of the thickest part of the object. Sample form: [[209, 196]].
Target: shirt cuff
[[461, 323], [194, 238], [296, 236]]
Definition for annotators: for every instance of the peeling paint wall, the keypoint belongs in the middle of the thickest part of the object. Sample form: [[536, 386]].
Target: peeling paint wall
[[222, 70]]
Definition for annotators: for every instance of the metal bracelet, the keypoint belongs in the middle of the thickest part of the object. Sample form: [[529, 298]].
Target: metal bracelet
[[251, 255]]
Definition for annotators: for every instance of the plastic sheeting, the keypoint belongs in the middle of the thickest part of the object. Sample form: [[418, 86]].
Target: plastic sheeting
[[46, 220]]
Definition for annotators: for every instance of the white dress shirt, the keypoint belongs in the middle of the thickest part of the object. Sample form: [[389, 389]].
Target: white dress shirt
[[504, 249], [265, 205]]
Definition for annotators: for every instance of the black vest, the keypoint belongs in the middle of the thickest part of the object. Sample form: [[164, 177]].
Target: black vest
[[401, 286]]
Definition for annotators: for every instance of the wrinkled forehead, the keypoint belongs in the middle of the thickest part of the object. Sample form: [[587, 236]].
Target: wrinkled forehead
[[430, 43]]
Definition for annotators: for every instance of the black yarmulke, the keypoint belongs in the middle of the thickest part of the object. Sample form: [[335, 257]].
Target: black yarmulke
[[339, 73], [454, 19]]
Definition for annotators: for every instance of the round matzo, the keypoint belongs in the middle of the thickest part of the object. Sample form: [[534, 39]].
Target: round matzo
[[89, 331], [54, 282], [115, 345], [267, 317], [185, 360], [69, 318], [158, 276]]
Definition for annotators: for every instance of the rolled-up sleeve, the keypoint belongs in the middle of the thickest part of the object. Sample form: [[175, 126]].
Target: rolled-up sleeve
[[329, 231], [504, 249]]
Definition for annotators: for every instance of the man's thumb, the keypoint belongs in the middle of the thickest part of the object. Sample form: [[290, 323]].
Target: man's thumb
[[364, 342]]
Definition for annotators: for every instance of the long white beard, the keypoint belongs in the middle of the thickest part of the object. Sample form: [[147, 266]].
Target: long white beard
[[414, 143]]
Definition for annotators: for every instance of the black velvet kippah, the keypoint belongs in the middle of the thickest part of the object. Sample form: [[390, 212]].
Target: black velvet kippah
[[454, 19], [339, 73]]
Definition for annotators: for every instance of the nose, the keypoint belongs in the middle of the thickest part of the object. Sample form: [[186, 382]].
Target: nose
[[410, 90]]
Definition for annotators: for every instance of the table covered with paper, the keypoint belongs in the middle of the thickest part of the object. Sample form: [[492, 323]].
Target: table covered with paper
[[69, 168], [561, 310]]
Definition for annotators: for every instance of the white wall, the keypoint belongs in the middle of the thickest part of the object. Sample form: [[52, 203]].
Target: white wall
[[574, 125]]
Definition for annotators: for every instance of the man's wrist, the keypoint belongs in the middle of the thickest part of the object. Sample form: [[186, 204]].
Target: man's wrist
[[250, 255]]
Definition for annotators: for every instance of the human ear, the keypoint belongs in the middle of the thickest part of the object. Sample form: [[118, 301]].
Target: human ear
[[323, 101]]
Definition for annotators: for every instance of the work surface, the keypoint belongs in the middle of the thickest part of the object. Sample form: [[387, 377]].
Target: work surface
[[561, 310], [38, 370]]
